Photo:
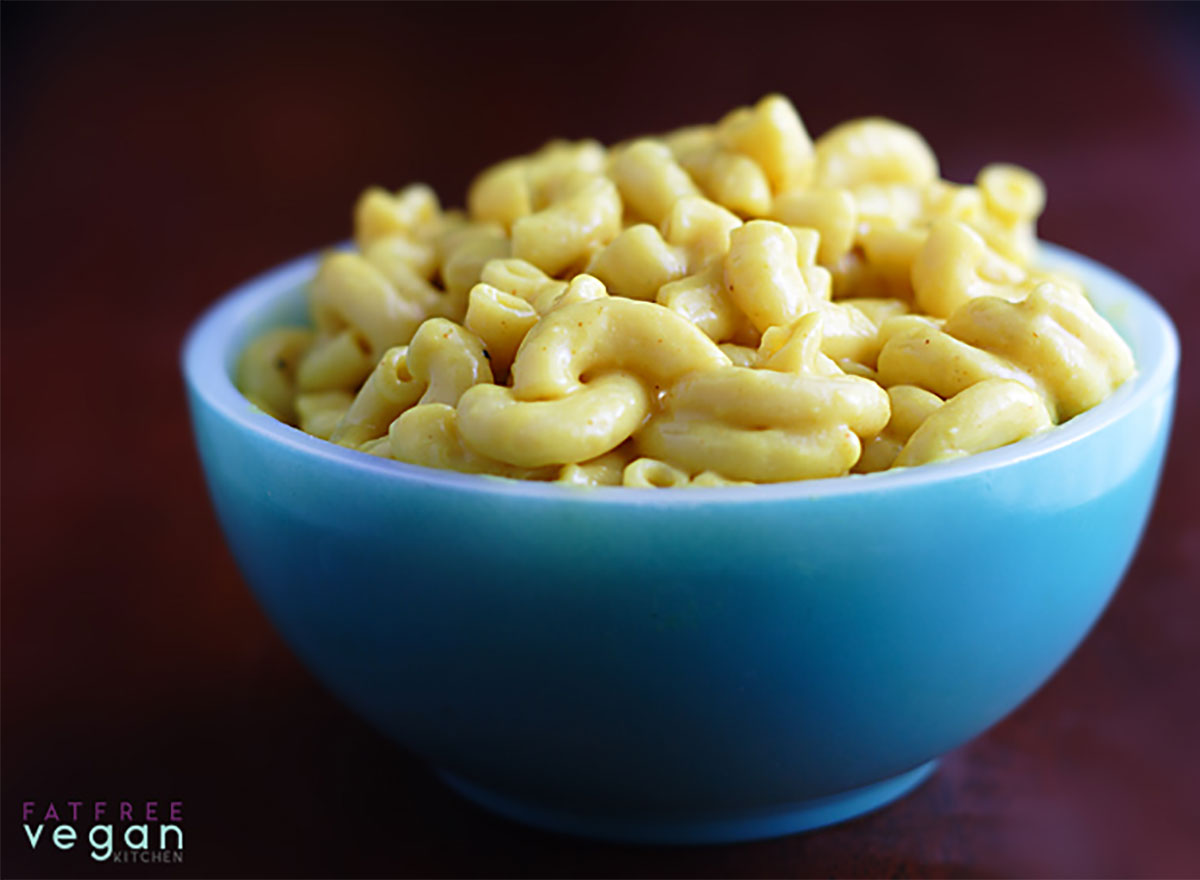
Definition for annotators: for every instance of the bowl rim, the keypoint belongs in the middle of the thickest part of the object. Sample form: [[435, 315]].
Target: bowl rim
[[206, 361]]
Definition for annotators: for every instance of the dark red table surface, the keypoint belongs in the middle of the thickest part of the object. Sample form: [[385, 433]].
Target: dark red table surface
[[156, 155]]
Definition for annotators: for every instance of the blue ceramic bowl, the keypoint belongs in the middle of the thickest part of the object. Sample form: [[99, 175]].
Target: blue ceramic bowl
[[682, 666]]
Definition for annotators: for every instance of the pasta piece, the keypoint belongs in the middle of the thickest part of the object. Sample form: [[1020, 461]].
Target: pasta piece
[[266, 372]]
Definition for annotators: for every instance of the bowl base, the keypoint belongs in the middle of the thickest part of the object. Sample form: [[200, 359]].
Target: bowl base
[[670, 830]]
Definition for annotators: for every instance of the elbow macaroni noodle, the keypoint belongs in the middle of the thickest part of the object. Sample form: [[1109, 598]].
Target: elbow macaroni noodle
[[724, 304]]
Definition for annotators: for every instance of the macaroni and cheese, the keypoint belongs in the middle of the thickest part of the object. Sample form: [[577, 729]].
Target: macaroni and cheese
[[725, 304]]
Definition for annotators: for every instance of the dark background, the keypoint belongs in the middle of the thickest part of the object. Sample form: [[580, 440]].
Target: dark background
[[156, 155]]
